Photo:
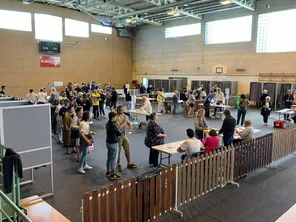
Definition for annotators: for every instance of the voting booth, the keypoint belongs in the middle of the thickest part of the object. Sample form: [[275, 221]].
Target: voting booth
[[27, 130]]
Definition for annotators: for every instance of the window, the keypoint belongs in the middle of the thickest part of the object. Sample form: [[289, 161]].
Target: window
[[276, 32], [76, 28], [229, 30], [184, 30], [15, 20], [101, 29], [48, 27]]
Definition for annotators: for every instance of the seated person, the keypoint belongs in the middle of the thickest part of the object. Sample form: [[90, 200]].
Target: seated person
[[190, 146], [247, 134], [211, 142]]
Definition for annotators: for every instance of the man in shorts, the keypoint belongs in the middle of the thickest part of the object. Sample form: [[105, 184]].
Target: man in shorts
[[122, 121]]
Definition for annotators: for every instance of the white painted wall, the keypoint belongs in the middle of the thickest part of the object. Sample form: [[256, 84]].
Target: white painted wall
[[155, 56]]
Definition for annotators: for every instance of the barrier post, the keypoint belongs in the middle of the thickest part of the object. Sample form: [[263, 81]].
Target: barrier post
[[232, 167], [175, 210]]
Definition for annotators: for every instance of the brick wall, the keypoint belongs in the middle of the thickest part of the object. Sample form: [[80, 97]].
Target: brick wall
[[155, 56], [94, 59]]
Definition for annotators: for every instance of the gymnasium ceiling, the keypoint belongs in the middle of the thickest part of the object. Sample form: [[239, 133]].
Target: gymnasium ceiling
[[125, 13]]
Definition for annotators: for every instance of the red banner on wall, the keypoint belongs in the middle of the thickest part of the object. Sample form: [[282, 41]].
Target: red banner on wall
[[50, 61]]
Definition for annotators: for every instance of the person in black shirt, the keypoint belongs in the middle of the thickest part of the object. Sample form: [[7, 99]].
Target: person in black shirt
[[287, 101], [150, 89], [2, 92], [142, 89], [128, 98], [113, 98], [227, 128], [77, 89], [54, 102], [263, 96], [112, 141], [102, 102]]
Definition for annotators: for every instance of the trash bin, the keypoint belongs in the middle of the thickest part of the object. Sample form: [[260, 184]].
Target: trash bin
[[236, 100]]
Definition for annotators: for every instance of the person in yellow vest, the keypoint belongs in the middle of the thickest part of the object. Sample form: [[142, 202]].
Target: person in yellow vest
[[160, 100], [96, 101]]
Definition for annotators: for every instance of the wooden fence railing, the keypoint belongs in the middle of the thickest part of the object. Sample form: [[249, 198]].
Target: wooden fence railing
[[201, 175], [284, 143], [253, 155], [132, 201]]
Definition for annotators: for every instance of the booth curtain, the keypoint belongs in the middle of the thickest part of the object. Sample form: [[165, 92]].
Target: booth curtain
[[271, 88], [206, 85], [255, 91], [165, 85], [284, 90]]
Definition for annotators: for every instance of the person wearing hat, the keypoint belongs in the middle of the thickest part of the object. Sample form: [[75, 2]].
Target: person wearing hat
[[263, 96], [248, 133]]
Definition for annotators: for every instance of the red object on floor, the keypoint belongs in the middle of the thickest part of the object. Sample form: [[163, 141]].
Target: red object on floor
[[279, 124]]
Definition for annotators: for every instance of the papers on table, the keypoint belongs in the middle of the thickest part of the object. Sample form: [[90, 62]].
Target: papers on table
[[169, 148]]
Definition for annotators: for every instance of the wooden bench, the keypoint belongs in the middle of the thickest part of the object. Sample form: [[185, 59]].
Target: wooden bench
[[289, 216], [40, 211]]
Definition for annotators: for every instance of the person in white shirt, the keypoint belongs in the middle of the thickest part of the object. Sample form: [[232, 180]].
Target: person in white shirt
[[31, 96], [219, 100], [147, 107], [190, 146], [41, 97]]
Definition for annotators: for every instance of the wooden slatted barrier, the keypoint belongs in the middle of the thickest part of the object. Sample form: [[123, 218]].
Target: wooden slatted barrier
[[253, 155], [204, 174], [283, 143], [132, 200]]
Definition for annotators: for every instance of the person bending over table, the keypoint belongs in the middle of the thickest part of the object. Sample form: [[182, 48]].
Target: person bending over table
[[200, 123], [146, 107], [247, 134], [154, 136], [288, 101], [266, 109], [190, 146], [207, 103], [211, 142], [227, 128]]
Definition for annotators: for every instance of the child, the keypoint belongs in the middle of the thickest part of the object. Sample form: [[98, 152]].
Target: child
[[211, 142]]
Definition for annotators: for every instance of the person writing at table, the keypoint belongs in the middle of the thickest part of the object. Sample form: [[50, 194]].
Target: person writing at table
[[288, 101], [146, 107], [211, 142], [200, 123], [247, 134], [190, 146], [154, 137]]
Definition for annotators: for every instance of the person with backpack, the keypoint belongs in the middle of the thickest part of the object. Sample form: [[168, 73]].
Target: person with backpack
[[243, 104]]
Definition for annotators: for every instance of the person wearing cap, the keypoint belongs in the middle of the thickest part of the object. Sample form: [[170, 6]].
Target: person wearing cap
[[248, 133], [263, 96]]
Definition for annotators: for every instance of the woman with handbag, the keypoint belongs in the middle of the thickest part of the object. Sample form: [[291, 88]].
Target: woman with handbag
[[266, 109], [75, 137], [243, 104], [85, 141]]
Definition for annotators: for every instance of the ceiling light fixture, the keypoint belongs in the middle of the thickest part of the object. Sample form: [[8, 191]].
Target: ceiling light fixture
[[173, 12], [225, 2], [128, 20]]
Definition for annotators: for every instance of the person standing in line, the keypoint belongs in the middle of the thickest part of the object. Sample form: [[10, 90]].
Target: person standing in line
[[102, 103], [59, 122], [122, 121], [207, 103], [146, 107], [126, 88], [227, 128], [93, 86], [96, 102], [191, 102], [243, 104], [54, 102], [112, 140], [67, 121], [200, 123], [185, 104], [31, 96], [288, 101], [160, 100], [266, 109], [154, 136], [114, 96], [175, 102], [2, 92], [128, 99], [54, 90], [142, 89], [75, 137], [41, 96], [85, 141]]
